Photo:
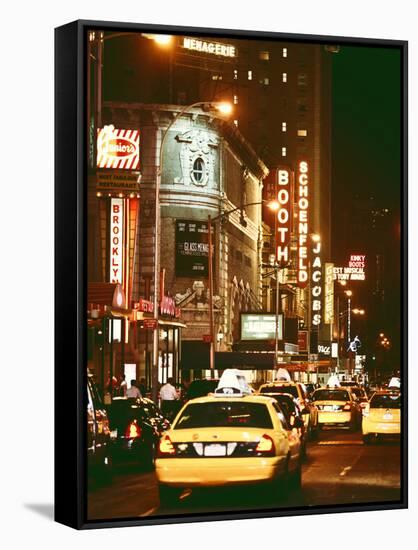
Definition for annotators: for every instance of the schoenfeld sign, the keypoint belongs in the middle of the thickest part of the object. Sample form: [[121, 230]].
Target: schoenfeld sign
[[191, 248]]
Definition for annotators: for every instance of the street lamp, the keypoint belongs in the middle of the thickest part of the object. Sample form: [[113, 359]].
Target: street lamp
[[348, 293], [221, 107]]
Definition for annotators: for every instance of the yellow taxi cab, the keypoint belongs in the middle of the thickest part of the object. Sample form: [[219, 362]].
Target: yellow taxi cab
[[227, 438], [382, 416], [298, 391], [337, 406]]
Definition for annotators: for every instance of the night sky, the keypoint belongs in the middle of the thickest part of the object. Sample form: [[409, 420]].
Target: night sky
[[367, 175]]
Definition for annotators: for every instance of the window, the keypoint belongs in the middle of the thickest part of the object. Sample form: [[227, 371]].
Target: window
[[264, 55], [250, 75], [284, 151], [235, 99], [301, 103], [235, 74], [284, 77], [216, 77], [302, 133], [284, 126], [236, 122], [198, 170], [224, 414], [181, 98], [284, 52], [302, 79], [265, 81]]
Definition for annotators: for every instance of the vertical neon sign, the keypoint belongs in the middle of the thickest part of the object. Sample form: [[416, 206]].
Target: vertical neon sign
[[303, 224]]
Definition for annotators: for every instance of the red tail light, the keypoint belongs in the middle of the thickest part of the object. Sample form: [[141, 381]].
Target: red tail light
[[265, 445], [166, 447], [133, 430], [347, 407]]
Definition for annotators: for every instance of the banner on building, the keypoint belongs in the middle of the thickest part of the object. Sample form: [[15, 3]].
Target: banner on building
[[191, 248]]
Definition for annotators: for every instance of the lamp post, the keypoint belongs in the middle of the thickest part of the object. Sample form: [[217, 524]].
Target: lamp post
[[223, 108], [348, 293]]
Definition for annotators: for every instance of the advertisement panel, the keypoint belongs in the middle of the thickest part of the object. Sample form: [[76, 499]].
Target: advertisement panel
[[191, 248], [260, 326], [117, 148]]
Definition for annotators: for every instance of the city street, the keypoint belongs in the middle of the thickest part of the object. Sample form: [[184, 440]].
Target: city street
[[338, 469]]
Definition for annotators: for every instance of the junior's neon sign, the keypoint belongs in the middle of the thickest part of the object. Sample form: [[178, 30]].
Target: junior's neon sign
[[303, 225]]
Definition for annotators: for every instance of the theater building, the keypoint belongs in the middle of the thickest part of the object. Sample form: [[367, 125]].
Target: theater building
[[208, 168]]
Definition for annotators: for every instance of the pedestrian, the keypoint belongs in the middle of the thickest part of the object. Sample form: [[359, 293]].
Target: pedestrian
[[123, 386], [133, 391], [168, 396], [143, 387]]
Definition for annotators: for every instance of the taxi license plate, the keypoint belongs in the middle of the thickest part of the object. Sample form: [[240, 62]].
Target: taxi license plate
[[387, 416], [215, 449]]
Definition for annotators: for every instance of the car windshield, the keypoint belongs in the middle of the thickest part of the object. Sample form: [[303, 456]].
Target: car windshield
[[224, 414], [331, 395], [385, 402], [280, 388]]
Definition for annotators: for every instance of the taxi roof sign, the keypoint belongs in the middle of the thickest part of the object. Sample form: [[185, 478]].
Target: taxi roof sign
[[233, 383]]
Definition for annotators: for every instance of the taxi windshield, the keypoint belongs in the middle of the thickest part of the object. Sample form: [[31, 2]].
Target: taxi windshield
[[331, 395], [224, 414], [279, 388], [385, 402]]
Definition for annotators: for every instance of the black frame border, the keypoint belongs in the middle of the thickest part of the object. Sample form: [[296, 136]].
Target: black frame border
[[71, 272]]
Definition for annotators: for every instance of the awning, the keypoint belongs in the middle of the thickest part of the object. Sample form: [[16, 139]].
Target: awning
[[242, 360]]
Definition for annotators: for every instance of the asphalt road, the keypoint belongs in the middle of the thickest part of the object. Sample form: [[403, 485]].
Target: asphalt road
[[338, 469]]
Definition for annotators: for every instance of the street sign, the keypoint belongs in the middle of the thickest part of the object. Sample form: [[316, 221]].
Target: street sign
[[150, 324]]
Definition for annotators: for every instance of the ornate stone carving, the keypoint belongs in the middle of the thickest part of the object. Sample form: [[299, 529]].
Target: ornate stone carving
[[197, 158]]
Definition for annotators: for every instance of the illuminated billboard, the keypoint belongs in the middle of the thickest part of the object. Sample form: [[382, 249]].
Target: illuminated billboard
[[355, 271], [282, 225], [316, 284], [303, 224], [117, 149], [261, 326]]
